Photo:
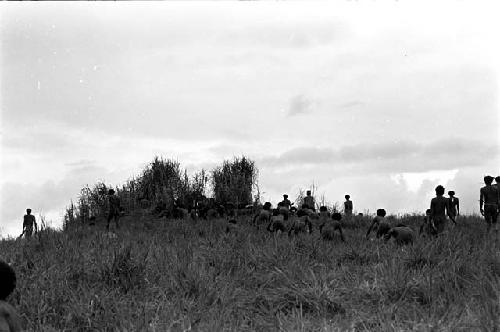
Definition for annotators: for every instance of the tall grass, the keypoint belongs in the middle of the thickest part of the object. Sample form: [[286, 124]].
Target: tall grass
[[159, 275]]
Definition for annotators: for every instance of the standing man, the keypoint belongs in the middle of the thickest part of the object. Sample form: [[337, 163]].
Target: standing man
[[29, 223], [454, 206], [348, 207], [114, 208], [439, 209], [488, 197], [286, 202], [309, 201], [284, 207]]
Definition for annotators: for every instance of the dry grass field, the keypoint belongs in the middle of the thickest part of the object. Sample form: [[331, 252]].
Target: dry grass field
[[173, 275]]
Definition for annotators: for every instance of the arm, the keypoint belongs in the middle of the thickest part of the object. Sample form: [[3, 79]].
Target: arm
[[481, 201], [371, 226], [448, 208]]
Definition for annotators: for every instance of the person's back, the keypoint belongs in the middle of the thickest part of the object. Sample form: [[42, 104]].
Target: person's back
[[9, 319], [439, 209], [379, 223], [489, 195], [401, 234], [489, 199], [439, 206]]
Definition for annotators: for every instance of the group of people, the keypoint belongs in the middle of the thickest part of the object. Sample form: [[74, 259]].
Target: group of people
[[441, 208]]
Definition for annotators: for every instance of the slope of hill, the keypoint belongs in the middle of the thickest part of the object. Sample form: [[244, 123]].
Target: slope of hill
[[172, 275]]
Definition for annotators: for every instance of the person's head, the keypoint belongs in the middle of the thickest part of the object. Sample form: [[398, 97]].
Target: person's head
[[497, 179], [451, 193], [28, 211], [439, 190], [347, 197], [285, 196], [323, 209], [488, 179], [381, 212], [428, 212], [111, 192], [308, 193], [336, 216], [7, 280]]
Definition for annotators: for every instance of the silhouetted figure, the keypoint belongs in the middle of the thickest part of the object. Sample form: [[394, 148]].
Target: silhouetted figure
[[380, 224], [114, 208], [29, 224], [348, 206], [428, 226], [284, 206], [489, 198], [439, 209], [286, 202], [327, 229], [9, 319], [454, 206], [309, 201]]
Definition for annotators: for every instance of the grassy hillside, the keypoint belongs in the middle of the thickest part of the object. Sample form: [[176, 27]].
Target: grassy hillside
[[159, 275]]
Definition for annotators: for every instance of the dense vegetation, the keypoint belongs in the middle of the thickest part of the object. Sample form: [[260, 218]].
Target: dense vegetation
[[177, 275]]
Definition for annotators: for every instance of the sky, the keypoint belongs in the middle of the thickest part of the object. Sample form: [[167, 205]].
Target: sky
[[379, 100]]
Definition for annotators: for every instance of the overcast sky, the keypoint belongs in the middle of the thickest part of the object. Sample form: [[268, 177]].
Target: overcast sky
[[379, 100]]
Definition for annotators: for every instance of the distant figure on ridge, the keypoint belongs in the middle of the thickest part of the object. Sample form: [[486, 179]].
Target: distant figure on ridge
[[309, 201], [439, 209], [286, 202], [489, 198], [348, 206], [454, 206], [284, 206], [29, 223], [114, 208], [9, 319]]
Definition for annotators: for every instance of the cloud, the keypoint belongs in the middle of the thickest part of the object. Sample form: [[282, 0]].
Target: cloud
[[395, 157], [352, 104], [300, 104]]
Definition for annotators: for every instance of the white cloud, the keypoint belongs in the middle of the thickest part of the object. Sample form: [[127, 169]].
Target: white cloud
[[414, 181]]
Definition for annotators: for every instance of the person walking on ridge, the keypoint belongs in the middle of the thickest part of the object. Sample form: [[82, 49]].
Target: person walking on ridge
[[29, 224]]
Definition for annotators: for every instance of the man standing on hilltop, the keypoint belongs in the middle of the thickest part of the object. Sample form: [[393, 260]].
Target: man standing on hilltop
[[29, 223], [114, 208], [488, 197]]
